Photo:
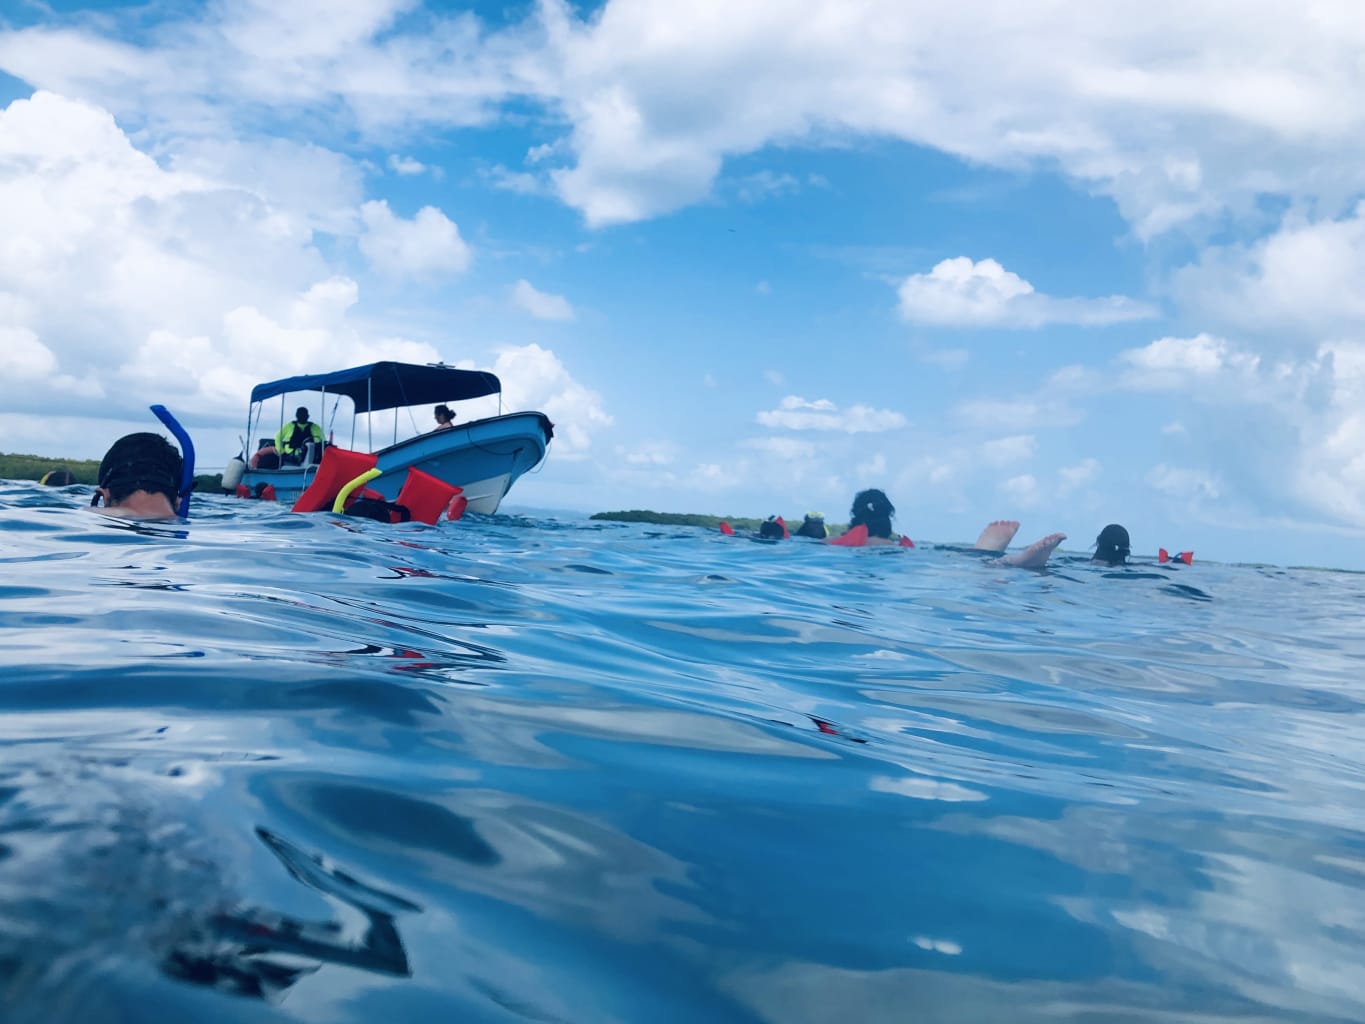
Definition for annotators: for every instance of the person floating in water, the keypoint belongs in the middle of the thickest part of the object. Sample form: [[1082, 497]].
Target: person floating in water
[[62, 477], [1112, 546], [140, 477], [869, 522], [813, 525], [996, 537]]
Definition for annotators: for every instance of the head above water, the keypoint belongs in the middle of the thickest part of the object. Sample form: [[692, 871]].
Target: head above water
[[58, 478], [873, 509], [1112, 545], [141, 462], [301, 414]]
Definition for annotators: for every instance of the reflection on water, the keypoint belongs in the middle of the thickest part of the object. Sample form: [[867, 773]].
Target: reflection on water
[[272, 767]]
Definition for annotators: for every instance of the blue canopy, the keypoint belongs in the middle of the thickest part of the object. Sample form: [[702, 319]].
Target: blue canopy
[[389, 385]]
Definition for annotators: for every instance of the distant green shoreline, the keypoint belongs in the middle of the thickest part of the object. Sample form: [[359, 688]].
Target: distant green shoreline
[[86, 471], [696, 519]]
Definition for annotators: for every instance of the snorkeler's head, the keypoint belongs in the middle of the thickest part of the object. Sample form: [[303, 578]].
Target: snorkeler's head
[[1112, 545], [141, 462], [873, 509]]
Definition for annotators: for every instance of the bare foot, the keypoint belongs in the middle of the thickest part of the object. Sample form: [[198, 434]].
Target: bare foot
[[1036, 554], [997, 535]]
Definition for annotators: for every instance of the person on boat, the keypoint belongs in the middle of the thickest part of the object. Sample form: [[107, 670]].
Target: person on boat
[[1112, 546], [291, 443], [140, 477], [445, 419]]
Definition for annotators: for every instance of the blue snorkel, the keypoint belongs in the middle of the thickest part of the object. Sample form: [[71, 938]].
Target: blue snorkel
[[187, 454]]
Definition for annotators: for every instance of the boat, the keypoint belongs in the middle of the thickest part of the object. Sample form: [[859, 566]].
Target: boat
[[484, 457]]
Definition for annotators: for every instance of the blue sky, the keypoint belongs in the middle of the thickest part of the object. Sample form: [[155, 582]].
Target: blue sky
[[1075, 267]]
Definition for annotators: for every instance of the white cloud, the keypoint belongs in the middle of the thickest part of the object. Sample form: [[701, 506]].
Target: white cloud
[[1004, 450], [429, 243], [795, 413], [961, 293], [151, 253], [1021, 490], [405, 165], [1182, 110], [1183, 483], [945, 358], [761, 185], [23, 356], [1074, 477], [1165, 361], [789, 448], [534, 378], [651, 454], [1020, 415], [541, 305], [775, 377], [1303, 279]]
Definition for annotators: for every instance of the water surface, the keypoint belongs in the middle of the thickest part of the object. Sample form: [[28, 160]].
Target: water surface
[[283, 768]]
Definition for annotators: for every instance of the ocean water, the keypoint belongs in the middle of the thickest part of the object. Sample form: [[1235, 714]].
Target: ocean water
[[270, 767]]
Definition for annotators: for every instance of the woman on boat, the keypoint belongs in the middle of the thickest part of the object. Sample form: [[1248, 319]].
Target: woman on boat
[[444, 417]]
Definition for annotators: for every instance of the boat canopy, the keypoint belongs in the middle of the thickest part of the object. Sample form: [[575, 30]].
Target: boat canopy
[[387, 385]]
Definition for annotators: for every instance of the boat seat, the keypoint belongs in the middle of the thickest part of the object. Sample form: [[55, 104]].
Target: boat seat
[[339, 467], [428, 498]]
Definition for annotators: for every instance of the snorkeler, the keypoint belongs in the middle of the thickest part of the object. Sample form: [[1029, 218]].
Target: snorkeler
[[140, 478], [1112, 546], [869, 522]]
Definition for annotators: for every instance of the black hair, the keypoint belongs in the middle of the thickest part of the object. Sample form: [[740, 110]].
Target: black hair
[[58, 478], [873, 509], [141, 462], [812, 526], [1112, 545], [444, 414], [301, 414]]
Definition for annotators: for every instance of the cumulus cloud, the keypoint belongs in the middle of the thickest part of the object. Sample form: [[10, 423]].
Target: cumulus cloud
[[796, 413], [961, 293], [1303, 279], [1077, 476], [1163, 363], [405, 165], [1018, 414], [1004, 450], [429, 243], [534, 378], [1179, 113], [148, 250], [1021, 491], [1182, 482], [541, 305]]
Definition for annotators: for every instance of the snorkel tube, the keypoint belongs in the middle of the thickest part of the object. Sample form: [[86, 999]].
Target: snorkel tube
[[187, 456]]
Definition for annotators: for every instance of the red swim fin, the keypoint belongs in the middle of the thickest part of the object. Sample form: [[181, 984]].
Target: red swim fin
[[1187, 557], [906, 542], [727, 529], [854, 538], [783, 523], [1162, 556]]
